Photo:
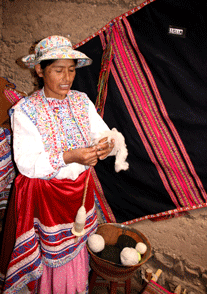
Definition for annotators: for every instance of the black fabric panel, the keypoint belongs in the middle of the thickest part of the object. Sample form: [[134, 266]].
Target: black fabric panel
[[86, 79], [179, 67]]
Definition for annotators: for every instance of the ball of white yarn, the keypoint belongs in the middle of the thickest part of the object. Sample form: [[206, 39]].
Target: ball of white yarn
[[129, 256], [141, 247], [96, 243]]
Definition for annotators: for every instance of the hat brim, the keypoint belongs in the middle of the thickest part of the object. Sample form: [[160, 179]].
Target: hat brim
[[58, 53]]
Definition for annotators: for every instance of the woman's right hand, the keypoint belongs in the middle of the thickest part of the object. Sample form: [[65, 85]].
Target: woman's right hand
[[86, 156]]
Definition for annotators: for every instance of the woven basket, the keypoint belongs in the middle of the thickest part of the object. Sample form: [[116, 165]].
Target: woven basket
[[110, 270]]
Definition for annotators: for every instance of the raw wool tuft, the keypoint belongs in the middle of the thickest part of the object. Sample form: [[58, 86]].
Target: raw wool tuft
[[120, 149]]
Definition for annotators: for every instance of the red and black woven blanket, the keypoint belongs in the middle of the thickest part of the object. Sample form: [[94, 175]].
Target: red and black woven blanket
[[148, 79]]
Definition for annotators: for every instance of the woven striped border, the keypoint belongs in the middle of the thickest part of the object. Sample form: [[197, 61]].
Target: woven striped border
[[159, 138], [166, 213]]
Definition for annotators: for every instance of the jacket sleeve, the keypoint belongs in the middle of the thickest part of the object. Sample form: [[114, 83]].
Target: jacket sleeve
[[97, 124]]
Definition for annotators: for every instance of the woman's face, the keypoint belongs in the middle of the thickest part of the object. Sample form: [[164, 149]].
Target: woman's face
[[58, 77]]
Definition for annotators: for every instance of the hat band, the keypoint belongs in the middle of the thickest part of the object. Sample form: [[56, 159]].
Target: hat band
[[44, 51]]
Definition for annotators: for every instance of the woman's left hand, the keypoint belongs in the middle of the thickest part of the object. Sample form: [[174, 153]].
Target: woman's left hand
[[104, 148]]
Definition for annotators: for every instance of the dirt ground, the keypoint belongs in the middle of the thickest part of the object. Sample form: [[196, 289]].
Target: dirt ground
[[178, 249]]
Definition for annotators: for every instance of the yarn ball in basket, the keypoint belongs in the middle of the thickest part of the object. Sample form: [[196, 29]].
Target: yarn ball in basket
[[111, 253], [129, 256], [125, 241], [141, 247], [96, 243]]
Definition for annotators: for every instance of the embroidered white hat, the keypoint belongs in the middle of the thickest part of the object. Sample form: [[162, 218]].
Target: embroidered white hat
[[55, 47]]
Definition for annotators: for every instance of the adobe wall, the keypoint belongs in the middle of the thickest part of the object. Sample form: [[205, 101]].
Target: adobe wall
[[26, 21], [179, 245]]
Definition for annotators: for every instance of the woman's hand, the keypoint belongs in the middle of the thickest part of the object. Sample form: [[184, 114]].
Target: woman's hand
[[90, 155], [104, 148], [86, 156]]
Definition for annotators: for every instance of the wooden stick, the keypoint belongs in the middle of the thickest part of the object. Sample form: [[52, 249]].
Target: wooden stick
[[178, 290], [86, 187], [156, 276], [148, 274]]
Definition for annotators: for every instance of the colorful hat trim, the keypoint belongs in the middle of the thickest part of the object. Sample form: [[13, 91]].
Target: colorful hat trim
[[55, 47]]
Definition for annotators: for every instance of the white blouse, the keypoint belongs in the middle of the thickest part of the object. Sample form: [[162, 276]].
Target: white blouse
[[29, 154]]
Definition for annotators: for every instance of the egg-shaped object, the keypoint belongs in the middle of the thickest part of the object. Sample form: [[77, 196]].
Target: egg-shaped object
[[141, 247], [129, 256], [96, 243]]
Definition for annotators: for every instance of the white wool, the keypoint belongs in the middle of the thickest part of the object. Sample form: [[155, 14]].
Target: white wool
[[96, 243], [81, 215], [120, 149], [79, 224], [141, 247], [129, 256], [80, 220]]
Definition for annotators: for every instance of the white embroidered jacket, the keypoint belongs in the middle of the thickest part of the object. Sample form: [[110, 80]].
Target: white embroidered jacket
[[29, 151]]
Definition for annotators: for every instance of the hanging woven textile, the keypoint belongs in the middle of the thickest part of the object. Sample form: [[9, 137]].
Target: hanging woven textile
[[151, 87], [8, 96]]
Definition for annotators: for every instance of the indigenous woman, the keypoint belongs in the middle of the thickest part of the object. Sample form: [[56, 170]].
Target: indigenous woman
[[53, 133]]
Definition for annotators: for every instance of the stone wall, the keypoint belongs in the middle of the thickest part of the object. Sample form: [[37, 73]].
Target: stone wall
[[178, 245]]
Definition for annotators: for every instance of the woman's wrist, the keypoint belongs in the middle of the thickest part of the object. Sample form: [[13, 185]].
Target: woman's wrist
[[68, 156]]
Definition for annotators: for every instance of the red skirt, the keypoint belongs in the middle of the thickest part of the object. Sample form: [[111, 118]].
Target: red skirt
[[38, 228]]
